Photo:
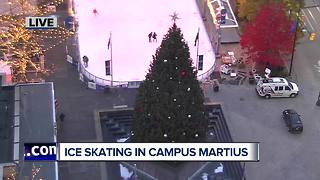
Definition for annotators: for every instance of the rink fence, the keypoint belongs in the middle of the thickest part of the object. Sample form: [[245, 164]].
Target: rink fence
[[101, 83]]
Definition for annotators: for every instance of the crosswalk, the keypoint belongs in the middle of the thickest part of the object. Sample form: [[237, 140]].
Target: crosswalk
[[312, 20], [317, 66]]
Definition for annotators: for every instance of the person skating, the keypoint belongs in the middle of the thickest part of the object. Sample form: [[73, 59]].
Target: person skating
[[95, 12], [154, 36], [150, 36], [85, 61]]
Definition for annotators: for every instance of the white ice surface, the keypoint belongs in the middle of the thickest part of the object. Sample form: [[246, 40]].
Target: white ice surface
[[130, 22]]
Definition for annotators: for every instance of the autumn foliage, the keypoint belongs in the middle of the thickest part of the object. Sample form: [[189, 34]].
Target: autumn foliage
[[268, 38], [248, 9]]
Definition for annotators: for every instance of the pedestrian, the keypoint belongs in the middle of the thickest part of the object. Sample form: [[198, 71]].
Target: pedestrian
[[154, 36], [318, 101], [150, 36], [61, 117]]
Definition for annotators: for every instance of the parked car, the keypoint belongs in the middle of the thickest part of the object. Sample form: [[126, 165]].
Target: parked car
[[293, 121]]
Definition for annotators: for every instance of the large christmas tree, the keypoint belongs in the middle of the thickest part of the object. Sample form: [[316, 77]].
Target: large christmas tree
[[169, 106]]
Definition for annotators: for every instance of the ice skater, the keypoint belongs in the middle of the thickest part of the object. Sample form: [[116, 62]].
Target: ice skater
[[95, 12], [154, 36], [150, 36], [85, 61]]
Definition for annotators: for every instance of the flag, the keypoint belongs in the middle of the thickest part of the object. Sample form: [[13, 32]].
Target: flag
[[200, 62], [109, 42], [108, 67], [197, 39], [294, 26]]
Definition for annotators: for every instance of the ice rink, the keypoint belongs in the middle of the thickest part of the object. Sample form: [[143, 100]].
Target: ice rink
[[130, 23]]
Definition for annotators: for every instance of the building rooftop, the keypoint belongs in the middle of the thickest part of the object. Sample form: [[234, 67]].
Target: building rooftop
[[6, 130], [27, 116], [37, 125]]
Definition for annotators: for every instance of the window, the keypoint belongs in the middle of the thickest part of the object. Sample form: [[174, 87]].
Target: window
[[290, 85], [276, 88], [287, 88], [280, 88]]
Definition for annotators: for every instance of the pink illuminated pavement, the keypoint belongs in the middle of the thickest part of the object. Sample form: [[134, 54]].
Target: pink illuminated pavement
[[130, 22]]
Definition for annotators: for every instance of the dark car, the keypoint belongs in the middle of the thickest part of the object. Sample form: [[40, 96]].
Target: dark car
[[293, 121]]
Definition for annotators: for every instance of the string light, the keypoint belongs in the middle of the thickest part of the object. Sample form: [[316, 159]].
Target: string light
[[35, 171], [23, 45], [12, 171], [40, 11]]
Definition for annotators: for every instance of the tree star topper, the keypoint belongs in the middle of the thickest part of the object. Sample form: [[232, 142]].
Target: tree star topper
[[174, 17]]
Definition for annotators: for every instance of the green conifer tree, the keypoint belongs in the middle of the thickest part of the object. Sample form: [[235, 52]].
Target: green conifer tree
[[169, 106]]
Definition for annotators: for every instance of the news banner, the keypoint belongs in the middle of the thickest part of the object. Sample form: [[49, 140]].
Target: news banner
[[141, 151]]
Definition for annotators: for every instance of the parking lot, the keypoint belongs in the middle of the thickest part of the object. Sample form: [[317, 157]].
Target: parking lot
[[255, 119]]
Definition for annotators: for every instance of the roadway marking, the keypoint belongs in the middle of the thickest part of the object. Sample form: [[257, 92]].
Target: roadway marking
[[314, 12], [313, 19], [307, 18], [318, 66]]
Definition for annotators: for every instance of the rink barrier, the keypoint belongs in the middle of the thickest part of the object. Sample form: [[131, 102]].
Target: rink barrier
[[103, 83], [206, 75]]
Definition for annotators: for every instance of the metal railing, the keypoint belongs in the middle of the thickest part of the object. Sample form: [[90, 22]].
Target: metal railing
[[105, 82], [206, 75]]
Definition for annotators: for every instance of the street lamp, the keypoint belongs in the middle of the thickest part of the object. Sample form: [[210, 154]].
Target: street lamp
[[10, 5], [296, 25], [135, 170], [165, 135]]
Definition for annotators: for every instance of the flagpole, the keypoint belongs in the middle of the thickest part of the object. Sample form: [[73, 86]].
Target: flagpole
[[111, 63], [198, 49]]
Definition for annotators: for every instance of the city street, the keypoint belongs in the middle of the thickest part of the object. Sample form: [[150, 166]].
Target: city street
[[311, 3], [311, 19], [251, 118]]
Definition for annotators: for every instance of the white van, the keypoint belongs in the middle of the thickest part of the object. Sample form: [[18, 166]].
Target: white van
[[276, 87]]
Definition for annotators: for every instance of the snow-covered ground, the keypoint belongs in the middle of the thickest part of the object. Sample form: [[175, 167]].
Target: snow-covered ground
[[130, 23]]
